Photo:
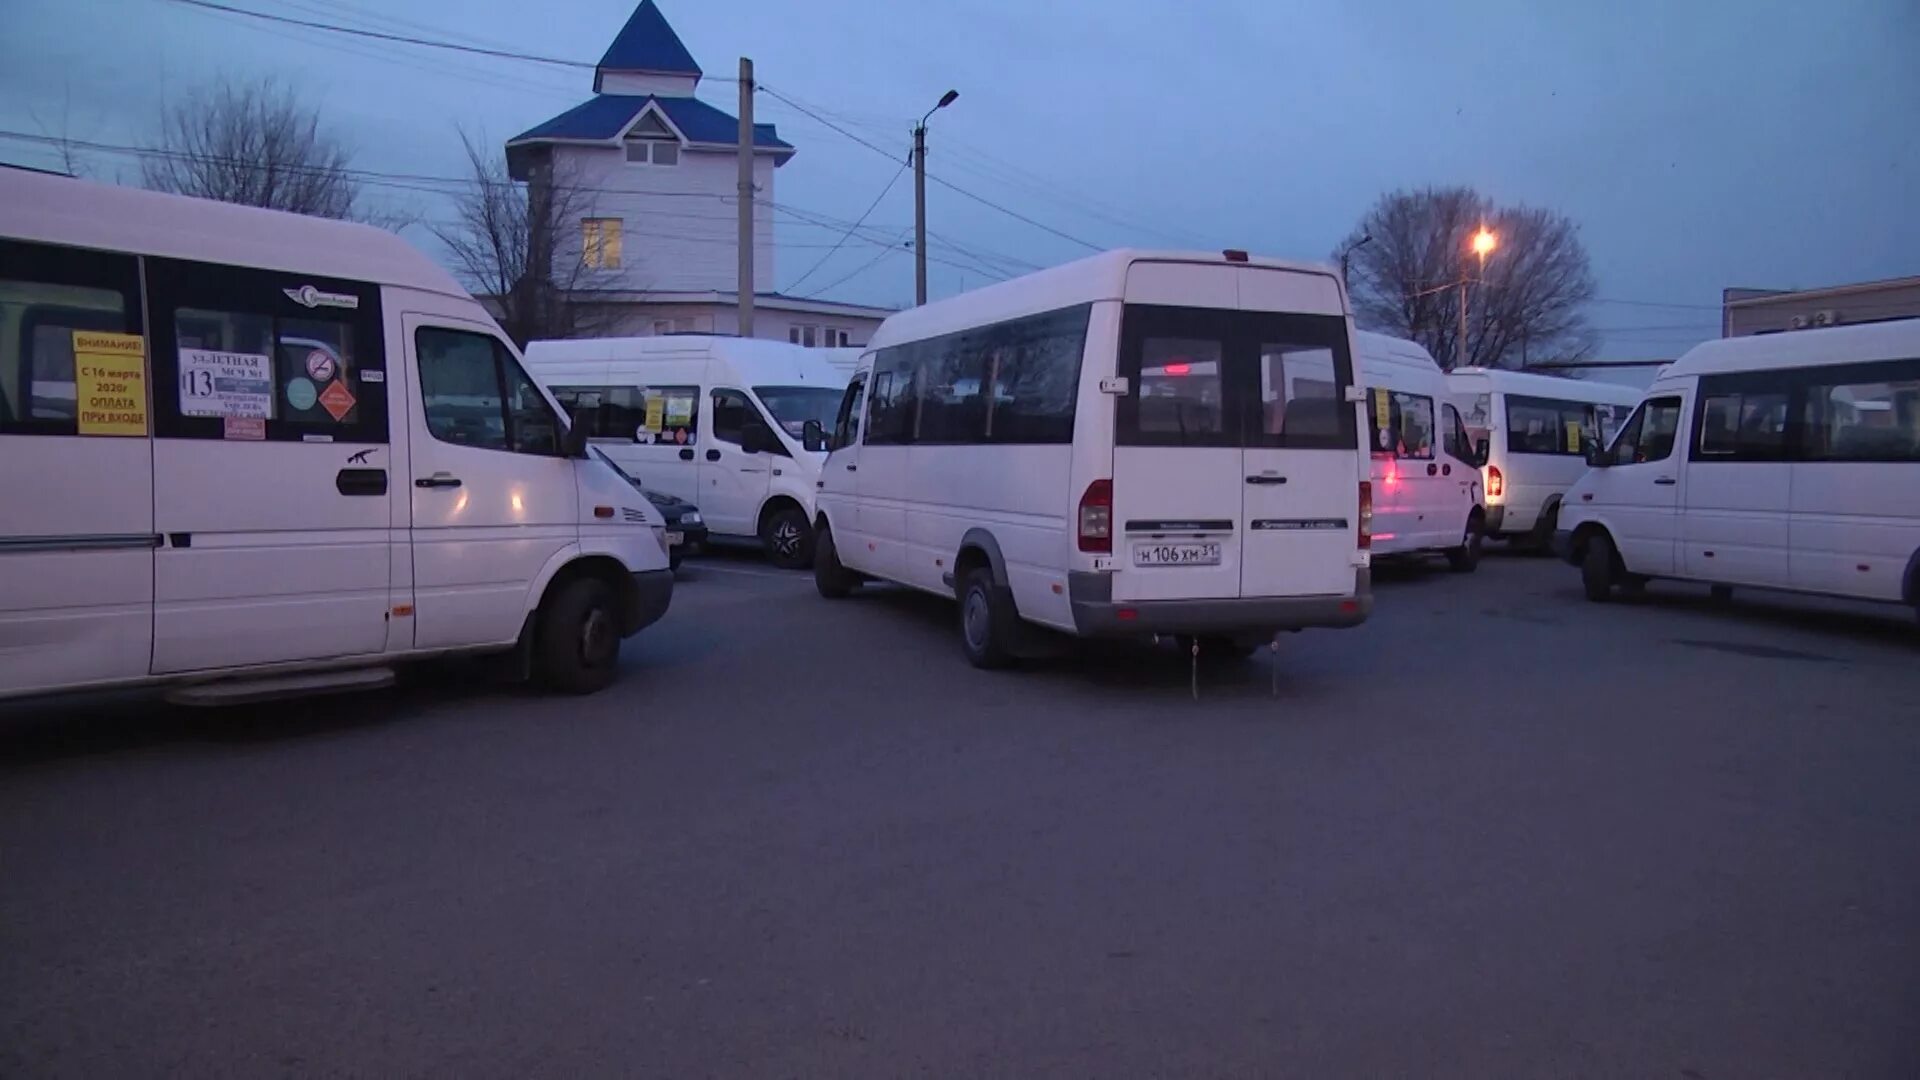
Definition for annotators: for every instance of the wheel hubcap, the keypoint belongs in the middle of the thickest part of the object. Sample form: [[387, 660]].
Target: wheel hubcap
[[974, 619], [786, 539], [597, 639]]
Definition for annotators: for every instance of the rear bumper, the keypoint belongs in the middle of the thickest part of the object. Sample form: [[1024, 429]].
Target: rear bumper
[[1496, 516], [647, 601], [1097, 614]]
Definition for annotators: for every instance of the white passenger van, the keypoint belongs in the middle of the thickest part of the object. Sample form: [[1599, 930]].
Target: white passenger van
[[260, 453], [735, 426], [1784, 461], [1132, 444], [1537, 430], [1426, 470]]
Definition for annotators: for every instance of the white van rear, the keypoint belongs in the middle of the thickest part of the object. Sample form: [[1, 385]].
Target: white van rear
[[260, 453], [735, 426], [1784, 461], [1132, 444], [1426, 470]]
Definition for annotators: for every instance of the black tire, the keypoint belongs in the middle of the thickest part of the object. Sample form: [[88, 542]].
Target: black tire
[[577, 638], [830, 578], [788, 538], [1721, 593], [986, 621], [675, 557], [1597, 569], [1462, 559]]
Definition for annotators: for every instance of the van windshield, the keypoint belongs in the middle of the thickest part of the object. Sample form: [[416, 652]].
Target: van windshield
[[1206, 377], [793, 406]]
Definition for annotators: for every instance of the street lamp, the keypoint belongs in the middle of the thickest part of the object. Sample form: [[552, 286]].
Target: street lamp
[[1346, 254], [920, 198], [1483, 243]]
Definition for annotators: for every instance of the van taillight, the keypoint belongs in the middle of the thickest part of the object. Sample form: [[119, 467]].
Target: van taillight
[[1096, 518], [1366, 515], [1496, 484]]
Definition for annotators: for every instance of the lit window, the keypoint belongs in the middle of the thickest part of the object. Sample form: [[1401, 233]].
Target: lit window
[[600, 243]]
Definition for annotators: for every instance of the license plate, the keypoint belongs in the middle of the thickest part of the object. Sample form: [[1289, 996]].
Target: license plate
[[1176, 555], [675, 539]]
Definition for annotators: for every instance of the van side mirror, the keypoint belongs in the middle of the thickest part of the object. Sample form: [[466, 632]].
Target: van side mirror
[[573, 443], [812, 436], [1598, 457], [757, 438]]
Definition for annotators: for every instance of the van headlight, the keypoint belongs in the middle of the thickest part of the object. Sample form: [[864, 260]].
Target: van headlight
[[691, 517]]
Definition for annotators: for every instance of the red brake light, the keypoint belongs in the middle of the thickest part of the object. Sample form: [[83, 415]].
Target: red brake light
[[1096, 518], [1366, 515], [1496, 484], [1177, 369]]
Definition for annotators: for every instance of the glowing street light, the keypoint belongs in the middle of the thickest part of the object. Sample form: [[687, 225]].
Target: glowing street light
[[1483, 243]]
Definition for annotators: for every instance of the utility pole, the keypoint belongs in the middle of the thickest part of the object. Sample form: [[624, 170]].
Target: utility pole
[[920, 198], [1460, 350], [746, 198]]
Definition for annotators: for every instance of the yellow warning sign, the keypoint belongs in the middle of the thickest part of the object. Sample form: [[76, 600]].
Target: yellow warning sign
[[656, 413], [110, 383], [1573, 436], [1382, 409]]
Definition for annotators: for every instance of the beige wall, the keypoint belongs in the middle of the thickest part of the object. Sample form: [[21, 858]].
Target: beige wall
[[1763, 314]]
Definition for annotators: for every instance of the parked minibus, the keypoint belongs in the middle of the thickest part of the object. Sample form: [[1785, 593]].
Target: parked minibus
[[1426, 471], [247, 453], [1132, 444], [1538, 430], [736, 426], [1781, 461]]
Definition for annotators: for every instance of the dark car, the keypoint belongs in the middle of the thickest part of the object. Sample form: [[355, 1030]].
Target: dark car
[[685, 528]]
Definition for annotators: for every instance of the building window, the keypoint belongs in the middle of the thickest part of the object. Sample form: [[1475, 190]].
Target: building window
[[600, 243], [652, 152], [835, 337]]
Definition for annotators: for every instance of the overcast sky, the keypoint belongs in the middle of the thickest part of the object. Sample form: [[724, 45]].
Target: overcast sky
[[1698, 144]]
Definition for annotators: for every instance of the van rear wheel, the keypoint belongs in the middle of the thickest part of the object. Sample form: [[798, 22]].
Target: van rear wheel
[[1597, 568], [986, 621], [577, 639]]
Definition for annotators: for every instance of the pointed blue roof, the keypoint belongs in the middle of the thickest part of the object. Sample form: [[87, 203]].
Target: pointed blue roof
[[647, 43]]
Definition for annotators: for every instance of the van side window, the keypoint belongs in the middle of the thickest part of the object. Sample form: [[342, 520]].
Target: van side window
[[1870, 413], [47, 296], [1649, 435], [245, 354], [474, 394], [731, 410], [1550, 426], [1740, 422], [891, 403], [629, 414], [1009, 383], [846, 428]]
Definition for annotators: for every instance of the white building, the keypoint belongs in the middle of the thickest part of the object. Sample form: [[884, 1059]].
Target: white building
[[656, 174]]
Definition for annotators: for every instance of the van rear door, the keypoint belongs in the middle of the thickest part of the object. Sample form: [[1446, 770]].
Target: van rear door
[[1236, 467]]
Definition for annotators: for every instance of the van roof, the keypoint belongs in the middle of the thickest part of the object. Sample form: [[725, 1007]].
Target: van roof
[[1385, 349], [1549, 386], [80, 213], [1083, 281], [757, 361], [1896, 340]]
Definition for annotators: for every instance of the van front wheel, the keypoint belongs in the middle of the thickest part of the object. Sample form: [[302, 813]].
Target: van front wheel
[[1596, 568], [833, 580], [577, 647], [788, 538], [1467, 556]]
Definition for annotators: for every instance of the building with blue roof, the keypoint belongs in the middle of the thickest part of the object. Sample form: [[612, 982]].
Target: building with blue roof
[[653, 171]]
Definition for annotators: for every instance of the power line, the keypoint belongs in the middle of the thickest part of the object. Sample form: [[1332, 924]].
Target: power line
[[1015, 214], [404, 39], [864, 267], [894, 179]]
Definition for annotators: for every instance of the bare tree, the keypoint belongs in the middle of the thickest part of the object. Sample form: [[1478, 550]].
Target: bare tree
[[254, 144], [1406, 279], [518, 247]]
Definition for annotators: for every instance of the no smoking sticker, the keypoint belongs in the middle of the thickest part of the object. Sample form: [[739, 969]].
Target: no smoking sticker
[[337, 399], [321, 366]]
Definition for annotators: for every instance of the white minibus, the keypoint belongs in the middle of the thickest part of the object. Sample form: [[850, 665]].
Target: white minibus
[[1131, 444], [1783, 461], [1426, 470], [735, 426], [254, 453], [1537, 430]]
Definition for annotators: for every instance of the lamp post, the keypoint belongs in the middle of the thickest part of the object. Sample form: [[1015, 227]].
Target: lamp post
[[1346, 255], [1483, 243], [920, 198]]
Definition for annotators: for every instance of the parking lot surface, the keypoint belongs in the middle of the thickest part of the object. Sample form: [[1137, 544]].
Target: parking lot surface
[[1496, 831]]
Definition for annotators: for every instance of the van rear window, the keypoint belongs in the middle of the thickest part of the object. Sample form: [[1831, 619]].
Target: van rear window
[[1205, 377]]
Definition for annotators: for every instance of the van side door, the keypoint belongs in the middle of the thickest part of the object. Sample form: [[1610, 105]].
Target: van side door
[[272, 483], [1458, 468], [733, 483], [76, 470], [839, 491], [494, 502], [1638, 495], [1734, 525]]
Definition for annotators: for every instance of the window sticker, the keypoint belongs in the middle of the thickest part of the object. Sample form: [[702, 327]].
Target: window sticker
[[337, 399], [656, 413], [226, 384], [321, 366], [1573, 436], [301, 394], [247, 428], [111, 383]]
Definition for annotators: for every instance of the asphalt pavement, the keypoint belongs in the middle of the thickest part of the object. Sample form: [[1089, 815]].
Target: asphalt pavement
[[1496, 831]]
